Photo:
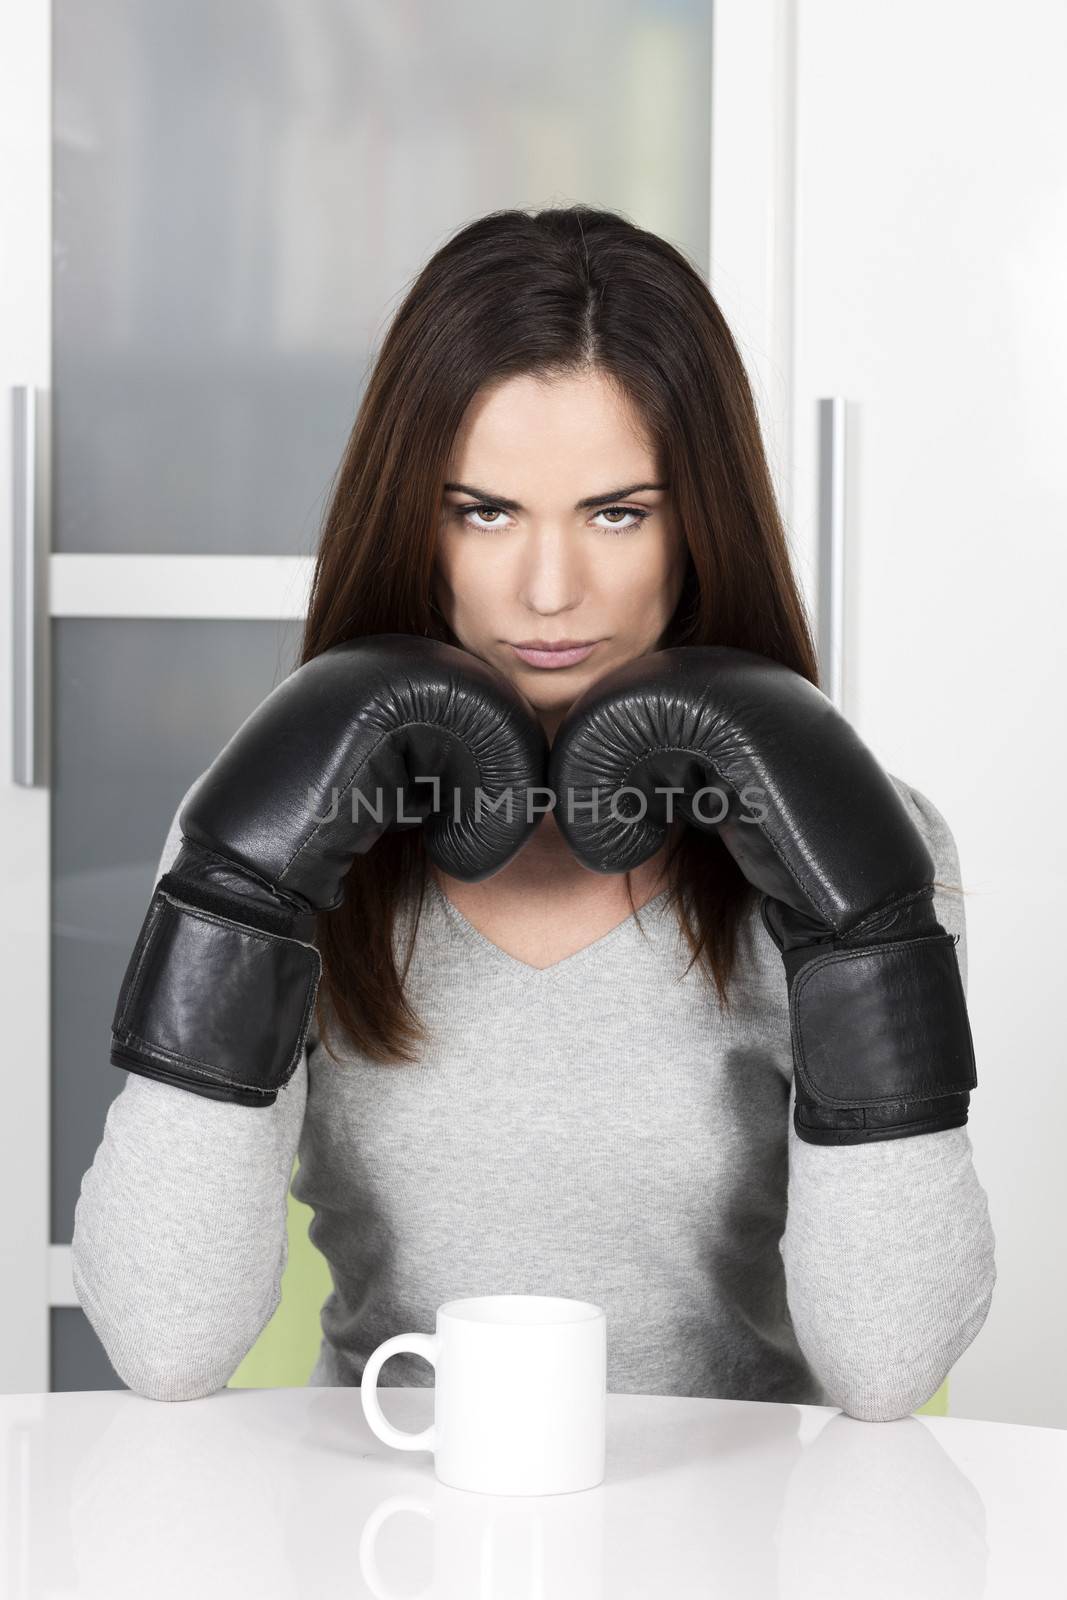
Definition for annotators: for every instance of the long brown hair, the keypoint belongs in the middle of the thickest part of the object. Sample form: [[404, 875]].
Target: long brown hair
[[552, 291]]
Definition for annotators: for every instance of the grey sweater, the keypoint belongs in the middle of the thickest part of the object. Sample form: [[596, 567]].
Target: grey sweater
[[600, 1128]]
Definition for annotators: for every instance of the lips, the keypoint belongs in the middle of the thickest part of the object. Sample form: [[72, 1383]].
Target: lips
[[551, 644], [564, 653]]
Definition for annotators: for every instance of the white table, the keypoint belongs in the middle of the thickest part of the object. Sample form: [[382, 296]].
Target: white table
[[286, 1492]]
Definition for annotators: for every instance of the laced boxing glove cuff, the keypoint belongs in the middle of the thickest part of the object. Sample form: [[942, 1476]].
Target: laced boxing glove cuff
[[218, 992]]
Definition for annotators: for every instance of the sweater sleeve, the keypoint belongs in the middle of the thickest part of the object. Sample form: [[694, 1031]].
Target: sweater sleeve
[[888, 1247], [180, 1237]]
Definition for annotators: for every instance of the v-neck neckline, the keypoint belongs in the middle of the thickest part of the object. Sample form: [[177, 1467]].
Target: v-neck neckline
[[474, 936]]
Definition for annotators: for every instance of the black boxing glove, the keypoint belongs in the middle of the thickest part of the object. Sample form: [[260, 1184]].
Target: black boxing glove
[[881, 1039], [375, 733]]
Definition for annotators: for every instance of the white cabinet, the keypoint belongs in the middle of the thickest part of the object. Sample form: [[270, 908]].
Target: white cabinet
[[894, 232]]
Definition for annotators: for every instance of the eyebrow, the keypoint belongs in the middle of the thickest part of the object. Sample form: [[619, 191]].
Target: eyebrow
[[582, 505]]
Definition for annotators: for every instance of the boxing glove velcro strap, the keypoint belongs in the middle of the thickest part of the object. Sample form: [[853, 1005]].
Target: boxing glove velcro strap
[[214, 1006], [882, 1024]]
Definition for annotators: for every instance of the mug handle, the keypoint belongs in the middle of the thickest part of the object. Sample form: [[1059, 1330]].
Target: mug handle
[[418, 1344]]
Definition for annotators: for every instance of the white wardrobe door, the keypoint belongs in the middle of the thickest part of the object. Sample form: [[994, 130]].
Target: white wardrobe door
[[931, 244]]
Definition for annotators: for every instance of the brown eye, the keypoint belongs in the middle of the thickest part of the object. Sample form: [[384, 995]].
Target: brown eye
[[639, 515], [493, 515]]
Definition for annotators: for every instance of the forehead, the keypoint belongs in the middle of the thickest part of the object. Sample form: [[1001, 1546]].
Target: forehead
[[572, 427]]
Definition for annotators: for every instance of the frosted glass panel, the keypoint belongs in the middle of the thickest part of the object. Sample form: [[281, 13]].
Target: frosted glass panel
[[242, 192], [140, 709], [79, 1360]]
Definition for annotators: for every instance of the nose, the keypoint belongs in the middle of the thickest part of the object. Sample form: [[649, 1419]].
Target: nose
[[552, 578]]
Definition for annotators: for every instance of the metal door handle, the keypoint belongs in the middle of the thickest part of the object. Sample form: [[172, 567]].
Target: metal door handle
[[29, 484], [831, 556]]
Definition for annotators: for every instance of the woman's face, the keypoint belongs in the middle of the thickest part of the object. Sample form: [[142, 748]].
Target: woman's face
[[557, 528]]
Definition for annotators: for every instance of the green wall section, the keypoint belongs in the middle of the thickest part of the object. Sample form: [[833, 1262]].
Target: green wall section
[[285, 1352], [937, 1405], [287, 1349]]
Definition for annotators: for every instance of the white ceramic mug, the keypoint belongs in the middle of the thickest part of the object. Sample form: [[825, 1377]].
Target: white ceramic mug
[[520, 1394]]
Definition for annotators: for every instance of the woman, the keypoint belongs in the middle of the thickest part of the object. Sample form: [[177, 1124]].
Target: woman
[[550, 1080]]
